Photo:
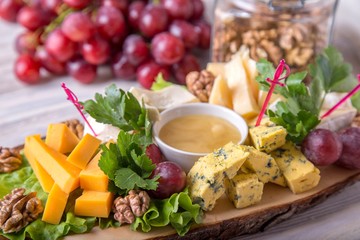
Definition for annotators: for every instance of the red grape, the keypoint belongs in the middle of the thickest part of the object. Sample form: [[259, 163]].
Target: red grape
[[147, 72], [186, 32], [136, 49], [134, 14], [78, 27], [33, 18], [121, 5], [205, 34], [81, 70], [350, 156], [96, 50], [198, 9], [154, 153], [122, 68], [51, 5], [50, 63], [27, 42], [172, 179], [322, 147], [110, 22], [167, 49], [153, 20], [58, 45], [9, 9], [77, 4], [27, 69], [178, 9], [188, 64]]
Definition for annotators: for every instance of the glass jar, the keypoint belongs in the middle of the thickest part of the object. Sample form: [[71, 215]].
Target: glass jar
[[294, 30]]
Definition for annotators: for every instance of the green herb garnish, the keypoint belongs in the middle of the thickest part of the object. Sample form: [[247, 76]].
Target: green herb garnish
[[299, 112], [160, 83]]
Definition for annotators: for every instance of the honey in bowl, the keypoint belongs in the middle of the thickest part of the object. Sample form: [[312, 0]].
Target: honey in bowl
[[198, 133]]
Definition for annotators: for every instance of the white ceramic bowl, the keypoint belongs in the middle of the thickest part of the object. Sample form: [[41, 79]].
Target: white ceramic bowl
[[187, 159]]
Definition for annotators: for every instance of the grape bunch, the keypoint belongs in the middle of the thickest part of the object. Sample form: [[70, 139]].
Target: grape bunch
[[136, 38]]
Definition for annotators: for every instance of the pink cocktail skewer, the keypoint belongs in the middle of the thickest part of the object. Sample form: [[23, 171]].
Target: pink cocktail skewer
[[73, 98], [352, 92], [279, 70]]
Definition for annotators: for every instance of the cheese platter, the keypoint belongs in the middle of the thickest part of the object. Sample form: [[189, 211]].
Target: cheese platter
[[273, 169]]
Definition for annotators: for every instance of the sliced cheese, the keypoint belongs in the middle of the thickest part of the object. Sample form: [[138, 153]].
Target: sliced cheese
[[94, 204], [43, 177], [243, 100], [262, 96], [65, 175], [216, 68], [251, 72], [84, 151], [93, 178], [55, 205], [220, 93], [61, 138]]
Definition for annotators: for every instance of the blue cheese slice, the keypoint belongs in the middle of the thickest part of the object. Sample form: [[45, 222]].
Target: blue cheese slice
[[244, 189], [300, 174], [267, 137], [264, 166], [206, 178]]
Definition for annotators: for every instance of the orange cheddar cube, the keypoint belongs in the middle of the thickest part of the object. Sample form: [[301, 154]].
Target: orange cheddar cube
[[61, 138], [44, 178], [84, 151], [55, 205], [65, 175], [94, 204], [92, 177]]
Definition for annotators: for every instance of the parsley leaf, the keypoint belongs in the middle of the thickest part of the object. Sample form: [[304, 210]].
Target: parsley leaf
[[127, 165], [120, 109], [299, 112]]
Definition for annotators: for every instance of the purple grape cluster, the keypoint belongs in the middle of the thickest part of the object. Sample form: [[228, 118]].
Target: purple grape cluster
[[137, 39]]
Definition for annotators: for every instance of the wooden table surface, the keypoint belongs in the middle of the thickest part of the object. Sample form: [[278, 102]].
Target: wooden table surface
[[26, 110]]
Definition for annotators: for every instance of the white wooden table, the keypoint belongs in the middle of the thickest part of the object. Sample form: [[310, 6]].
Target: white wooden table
[[26, 110]]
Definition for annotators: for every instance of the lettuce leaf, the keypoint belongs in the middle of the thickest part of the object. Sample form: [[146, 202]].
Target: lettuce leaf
[[25, 178], [178, 210]]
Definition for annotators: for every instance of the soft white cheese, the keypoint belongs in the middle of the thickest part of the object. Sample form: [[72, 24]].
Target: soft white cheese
[[104, 132]]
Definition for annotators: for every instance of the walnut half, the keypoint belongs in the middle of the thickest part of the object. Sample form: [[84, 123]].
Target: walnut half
[[18, 210], [10, 160], [135, 204]]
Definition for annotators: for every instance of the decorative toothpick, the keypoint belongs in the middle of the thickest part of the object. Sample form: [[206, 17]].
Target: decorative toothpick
[[276, 80], [343, 100], [73, 98]]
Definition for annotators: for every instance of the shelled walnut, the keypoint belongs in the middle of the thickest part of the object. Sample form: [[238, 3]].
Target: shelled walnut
[[356, 121], [10, 160], [135, 204], [17, 210], [76, 127], [200, 84], [295, 35]]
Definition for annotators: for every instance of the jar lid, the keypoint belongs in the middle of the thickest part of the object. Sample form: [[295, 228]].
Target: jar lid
[[273, 5]]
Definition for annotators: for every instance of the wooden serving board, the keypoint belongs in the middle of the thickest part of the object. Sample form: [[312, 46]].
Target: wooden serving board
[[225, 221]]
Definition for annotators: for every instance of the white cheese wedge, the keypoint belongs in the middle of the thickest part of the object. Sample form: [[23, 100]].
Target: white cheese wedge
[[220, 94], [243, 99], [104, 132], [250, 69], [165, 98], [216, 68]]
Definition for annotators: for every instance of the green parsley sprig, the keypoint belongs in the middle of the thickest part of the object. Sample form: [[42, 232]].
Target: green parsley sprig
[[124, 162], [299, 112]]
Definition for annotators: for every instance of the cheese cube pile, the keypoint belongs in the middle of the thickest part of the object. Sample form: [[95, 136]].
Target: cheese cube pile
[[263, 165], [206, 177], [60, 174], [244, 189]]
